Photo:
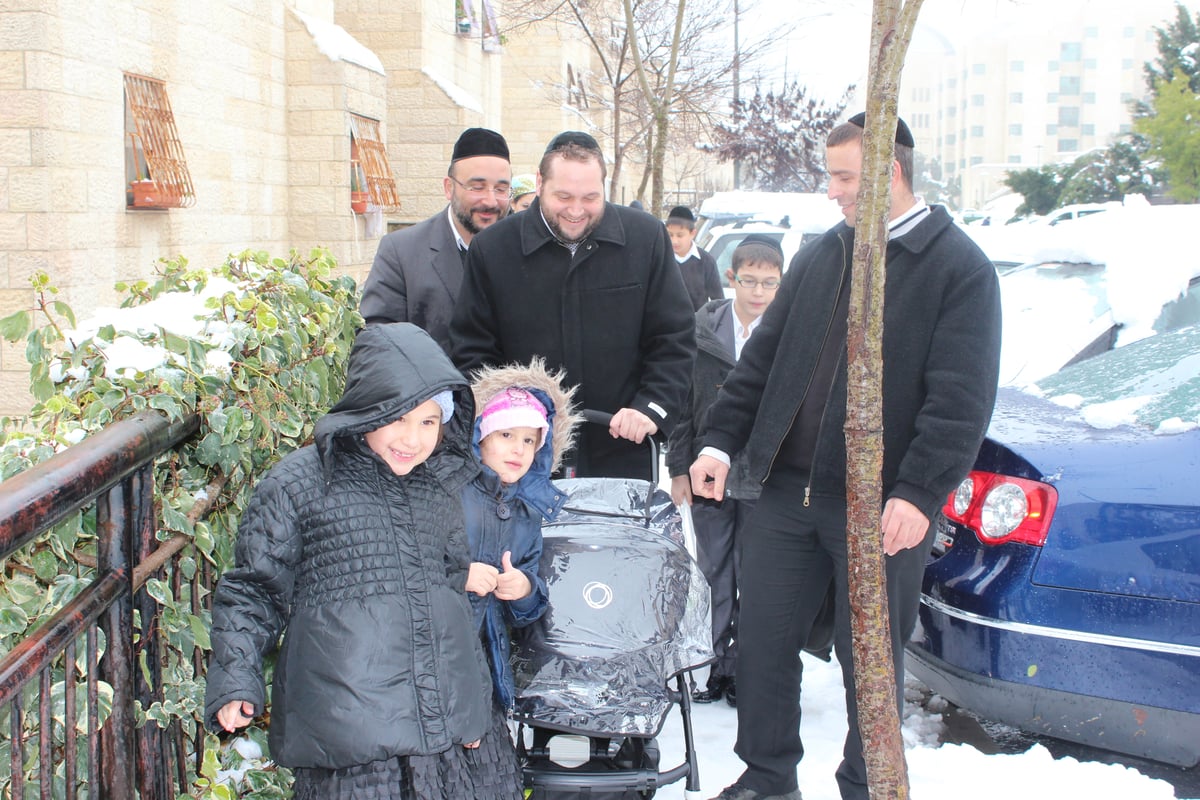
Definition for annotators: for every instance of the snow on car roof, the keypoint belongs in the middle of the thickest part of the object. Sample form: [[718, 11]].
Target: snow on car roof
[[1149, 252]]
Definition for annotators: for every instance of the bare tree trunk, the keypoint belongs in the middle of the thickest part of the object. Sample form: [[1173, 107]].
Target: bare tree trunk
[[875, 680], [656, 210], [660, 107]]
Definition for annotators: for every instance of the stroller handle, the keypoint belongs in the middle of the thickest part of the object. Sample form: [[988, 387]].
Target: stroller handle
[[595, 417]]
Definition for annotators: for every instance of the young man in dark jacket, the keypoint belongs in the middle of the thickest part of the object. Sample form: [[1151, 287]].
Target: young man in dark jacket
[[593, 288], [785, 404], [696, 265], [722, 328]]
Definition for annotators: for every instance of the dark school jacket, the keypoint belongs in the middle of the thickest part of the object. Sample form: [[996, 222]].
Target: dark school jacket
[[714, 360], [700, 278]]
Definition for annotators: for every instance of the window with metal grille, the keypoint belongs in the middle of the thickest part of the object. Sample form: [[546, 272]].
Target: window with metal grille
[[155, 168], [369, 163]]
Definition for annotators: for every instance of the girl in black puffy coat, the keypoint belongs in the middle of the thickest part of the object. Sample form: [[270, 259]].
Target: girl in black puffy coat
[[354, 550]]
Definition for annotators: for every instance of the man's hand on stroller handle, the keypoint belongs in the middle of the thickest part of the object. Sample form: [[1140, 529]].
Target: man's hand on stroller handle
[[708, 477], [509, 584], [631, 424]]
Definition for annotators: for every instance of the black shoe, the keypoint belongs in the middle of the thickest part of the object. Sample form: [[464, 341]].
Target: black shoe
[[731, 693], [739, 792], [712, 692]]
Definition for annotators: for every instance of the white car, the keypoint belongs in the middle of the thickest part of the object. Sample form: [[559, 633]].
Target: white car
[[725, 239]]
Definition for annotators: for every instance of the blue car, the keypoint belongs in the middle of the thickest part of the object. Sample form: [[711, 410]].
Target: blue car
[[1063, 594]]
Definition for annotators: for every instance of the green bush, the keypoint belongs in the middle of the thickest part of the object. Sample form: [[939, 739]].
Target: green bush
[[257, 347]]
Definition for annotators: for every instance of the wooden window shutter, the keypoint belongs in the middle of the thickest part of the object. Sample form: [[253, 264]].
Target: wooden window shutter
[[372, 156], [155, 143]]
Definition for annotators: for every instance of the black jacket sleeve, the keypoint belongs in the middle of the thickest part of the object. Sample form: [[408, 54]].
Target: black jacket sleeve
[[253, 600], [668, 345], [961, 374], [714, 288], [473, 327]]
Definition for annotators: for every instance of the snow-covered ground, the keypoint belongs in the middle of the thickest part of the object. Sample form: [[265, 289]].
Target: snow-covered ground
[[945, 772]]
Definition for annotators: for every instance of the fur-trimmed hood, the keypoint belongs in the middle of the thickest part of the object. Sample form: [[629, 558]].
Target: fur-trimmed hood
[[563, 419]]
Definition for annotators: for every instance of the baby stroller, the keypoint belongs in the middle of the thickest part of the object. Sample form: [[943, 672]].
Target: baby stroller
[[628, 617]]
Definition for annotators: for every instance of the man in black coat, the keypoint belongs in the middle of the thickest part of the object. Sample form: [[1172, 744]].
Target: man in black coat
[[418, 270], [594, 289], [785, 403]]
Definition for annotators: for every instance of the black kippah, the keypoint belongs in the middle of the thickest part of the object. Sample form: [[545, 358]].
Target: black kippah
[[758, 238], [480, 142], [682, 212], [584, 140], [903, 134]]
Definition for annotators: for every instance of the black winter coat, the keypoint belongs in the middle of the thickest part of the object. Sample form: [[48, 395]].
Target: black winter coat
[[714, 360], [941, 357], [700, 278], [615, 317], [364, 574]]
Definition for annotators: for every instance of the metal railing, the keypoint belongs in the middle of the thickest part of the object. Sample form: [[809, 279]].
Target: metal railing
[[111, 471]]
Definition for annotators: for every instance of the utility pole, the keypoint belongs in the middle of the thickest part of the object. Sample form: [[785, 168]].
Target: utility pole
[[737, 65]]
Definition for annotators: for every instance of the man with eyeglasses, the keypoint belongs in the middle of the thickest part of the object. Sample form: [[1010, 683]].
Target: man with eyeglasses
[[418, 270], [785, 405], [593, 288]]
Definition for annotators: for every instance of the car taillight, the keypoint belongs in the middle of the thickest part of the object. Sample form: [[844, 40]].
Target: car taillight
[[1001, 508]]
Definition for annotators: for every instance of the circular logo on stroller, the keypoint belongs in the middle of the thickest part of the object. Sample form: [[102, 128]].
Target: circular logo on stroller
[[597, 595]]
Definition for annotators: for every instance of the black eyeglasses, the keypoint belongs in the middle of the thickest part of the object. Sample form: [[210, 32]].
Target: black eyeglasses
[[481, 188], [752, 283]]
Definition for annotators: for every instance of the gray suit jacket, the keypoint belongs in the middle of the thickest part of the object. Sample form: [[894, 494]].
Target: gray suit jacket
[[415, 278]]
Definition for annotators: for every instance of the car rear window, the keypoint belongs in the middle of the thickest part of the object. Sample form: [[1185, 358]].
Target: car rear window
[[1154, 383]]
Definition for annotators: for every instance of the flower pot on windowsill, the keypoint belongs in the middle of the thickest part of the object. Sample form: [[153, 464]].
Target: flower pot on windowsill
[[145, 194], [358, 202]]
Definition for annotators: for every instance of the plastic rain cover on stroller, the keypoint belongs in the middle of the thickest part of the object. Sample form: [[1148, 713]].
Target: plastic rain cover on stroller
[[629, 609]]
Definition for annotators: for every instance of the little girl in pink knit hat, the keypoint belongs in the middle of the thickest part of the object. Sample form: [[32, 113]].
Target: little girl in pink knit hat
[[521, 410]]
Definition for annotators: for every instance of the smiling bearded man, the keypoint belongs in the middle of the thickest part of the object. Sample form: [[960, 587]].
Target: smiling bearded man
[[593, 288]]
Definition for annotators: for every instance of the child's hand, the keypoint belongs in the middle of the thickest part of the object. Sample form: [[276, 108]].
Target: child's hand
[[235, 714], [681, 489], [512, 583], [481, 578]]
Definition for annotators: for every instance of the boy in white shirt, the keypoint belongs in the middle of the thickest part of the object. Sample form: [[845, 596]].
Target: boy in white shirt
[[722, 328]]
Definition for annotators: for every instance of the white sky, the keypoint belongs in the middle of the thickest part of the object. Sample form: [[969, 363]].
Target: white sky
[[827, 49]]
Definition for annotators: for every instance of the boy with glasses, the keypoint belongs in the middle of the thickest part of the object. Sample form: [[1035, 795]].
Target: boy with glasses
[[722, 328]]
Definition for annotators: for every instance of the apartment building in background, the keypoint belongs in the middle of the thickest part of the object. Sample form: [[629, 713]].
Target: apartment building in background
[[1045, 85]]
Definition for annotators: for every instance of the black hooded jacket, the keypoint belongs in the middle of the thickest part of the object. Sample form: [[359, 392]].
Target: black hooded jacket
[[364, 573]]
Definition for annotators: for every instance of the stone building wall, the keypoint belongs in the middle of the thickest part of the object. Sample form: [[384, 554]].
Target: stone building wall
[[261, 113]]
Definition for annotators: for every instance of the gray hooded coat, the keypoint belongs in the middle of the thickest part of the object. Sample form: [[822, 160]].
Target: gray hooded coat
[[366, 572]]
